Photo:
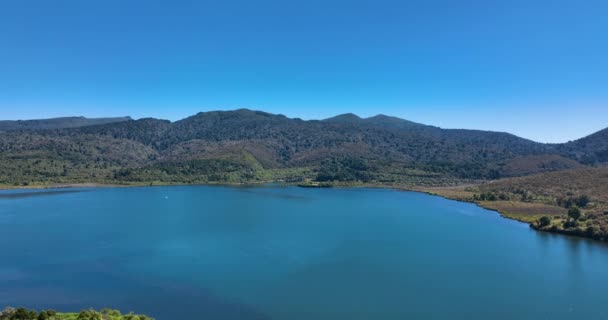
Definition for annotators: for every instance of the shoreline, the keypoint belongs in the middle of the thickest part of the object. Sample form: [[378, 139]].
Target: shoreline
[[433, 191]]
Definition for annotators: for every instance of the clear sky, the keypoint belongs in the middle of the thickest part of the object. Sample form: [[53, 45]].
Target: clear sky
[[538, 69]]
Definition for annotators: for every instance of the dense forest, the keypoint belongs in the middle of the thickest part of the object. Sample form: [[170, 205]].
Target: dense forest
[[253, 146]]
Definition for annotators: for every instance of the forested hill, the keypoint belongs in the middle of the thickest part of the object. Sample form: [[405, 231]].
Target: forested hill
[[591, 149], [252, 146]]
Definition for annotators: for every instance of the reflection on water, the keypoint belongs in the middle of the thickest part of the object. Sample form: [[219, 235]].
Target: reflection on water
[[27, 194], [271, 192]]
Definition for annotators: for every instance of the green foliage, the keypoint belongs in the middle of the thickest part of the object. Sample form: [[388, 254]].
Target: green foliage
[[104, 314], [345, 169], [487, 196], [89, 315], [568, 224], [582, 201], [202, 148], [23, 314], [544, 221], [574, 212], [43, 315]]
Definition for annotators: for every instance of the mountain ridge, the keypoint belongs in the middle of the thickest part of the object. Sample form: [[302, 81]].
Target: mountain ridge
[[57, 123], [247, 145], [345, 117]]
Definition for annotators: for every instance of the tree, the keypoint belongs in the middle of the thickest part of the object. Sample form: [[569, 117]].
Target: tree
[[544, 221], [21, 314], [582, 201], [84, 315], [7, 313], [569, 224], [43, 315], [574, 212], [89, 315]]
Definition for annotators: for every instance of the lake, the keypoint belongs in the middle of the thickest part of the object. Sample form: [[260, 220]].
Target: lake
[[272, 252]]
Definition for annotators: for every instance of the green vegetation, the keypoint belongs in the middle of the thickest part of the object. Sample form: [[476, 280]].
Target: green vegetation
[[104, 314], [544, 221], [247, 146], [574, 213]]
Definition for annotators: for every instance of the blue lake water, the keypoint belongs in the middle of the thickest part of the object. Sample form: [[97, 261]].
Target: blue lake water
[[203, 252]]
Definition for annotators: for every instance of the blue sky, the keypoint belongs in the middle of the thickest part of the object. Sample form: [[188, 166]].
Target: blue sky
[[537, 69]]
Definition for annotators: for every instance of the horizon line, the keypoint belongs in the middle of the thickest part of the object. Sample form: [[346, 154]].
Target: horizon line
[[131, 118]]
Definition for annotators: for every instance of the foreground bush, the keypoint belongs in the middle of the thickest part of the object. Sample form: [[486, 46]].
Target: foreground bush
[[105, 314]]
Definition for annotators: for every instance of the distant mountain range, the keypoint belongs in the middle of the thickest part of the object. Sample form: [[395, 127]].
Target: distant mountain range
[[56, 123], [254, 146]]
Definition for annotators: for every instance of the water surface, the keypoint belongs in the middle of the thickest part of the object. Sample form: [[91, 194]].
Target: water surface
[[290, 253]]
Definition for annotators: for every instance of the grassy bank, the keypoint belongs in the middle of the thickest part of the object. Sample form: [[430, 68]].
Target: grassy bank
[[564, 213], [516, 210]]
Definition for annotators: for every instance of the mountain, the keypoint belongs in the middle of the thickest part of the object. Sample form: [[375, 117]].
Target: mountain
[[345, 118], [56, 123], [248, 146], [379, 121]]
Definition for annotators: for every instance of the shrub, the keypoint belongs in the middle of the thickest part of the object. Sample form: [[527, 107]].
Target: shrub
[[569, 224], [594, 232], [110, 312], [43, 315], [7, 313], [21, 314], [544, 221], [574, 212], [582, 201], [89, 315]]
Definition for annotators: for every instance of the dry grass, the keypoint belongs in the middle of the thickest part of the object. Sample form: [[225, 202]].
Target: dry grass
[[523, 211], [517, 210], [461, 193], [592, 182], [529, 198]]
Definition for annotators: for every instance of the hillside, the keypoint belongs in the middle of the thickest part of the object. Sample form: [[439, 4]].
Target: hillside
[[556, 187], [254, 146], [591, 149]]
